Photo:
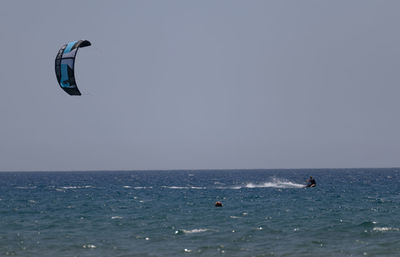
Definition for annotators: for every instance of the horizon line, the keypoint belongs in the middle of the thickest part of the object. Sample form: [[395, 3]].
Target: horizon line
[[194, 169]]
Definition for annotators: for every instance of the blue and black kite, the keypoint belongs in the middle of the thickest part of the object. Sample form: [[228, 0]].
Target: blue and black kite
[[65, 62]]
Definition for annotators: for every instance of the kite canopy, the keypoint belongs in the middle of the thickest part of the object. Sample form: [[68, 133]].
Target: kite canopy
[[65, 62]]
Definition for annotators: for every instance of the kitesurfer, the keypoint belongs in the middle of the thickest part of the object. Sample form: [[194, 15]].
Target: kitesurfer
[[311, 182]]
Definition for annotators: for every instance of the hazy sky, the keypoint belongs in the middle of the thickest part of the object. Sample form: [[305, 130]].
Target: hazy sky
[[201, 84]]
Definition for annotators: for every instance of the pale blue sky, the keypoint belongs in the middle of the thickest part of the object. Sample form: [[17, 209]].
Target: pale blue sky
[[201, 84]]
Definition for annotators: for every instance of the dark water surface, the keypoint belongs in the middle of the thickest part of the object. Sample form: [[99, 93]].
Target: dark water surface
[[351, 212]]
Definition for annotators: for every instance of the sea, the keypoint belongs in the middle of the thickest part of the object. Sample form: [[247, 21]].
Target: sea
[[351, 212]]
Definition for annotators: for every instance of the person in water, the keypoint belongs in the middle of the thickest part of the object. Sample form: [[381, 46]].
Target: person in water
[[311, 182]]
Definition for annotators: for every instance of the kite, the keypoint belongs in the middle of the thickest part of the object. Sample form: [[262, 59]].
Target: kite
[[65, 65]]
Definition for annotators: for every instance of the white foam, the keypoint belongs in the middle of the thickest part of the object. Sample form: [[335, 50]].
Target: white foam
[[175, 187], [76, 187], [196, 230], [138, 188], [179, 187], [31, 187], [70, 187], [198, 188], [90, 246], [274, 183], [384, 229], [116, 217]]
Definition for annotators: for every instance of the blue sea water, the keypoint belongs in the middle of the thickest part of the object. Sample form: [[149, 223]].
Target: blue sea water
[[351, 212]]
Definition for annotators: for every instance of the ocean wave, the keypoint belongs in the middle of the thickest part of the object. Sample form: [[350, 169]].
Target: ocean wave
[[73, 187], [187, 187], [192, 231], [25, 188], [218, 183], [175, 187], [367, 224], [138, 188], [234, 217], [231, 187], [89, 246], [385, 229], [116, 217]]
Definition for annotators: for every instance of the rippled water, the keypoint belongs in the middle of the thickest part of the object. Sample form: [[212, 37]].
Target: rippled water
[[351, 212]]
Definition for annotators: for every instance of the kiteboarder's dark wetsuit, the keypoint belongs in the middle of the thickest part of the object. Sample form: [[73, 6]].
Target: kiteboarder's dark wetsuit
[[311, 182]]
